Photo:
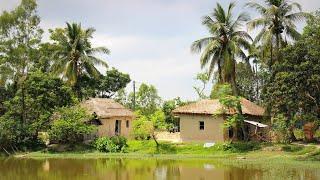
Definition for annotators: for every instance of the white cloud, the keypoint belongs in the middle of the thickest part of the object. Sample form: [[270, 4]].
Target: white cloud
[[148, 39], [158, 61]]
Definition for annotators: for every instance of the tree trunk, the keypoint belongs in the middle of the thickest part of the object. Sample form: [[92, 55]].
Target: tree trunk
[[220, 72], [277, 47], [271, 56], [155, 140], [233, 78], [292, 137], [24, 121]]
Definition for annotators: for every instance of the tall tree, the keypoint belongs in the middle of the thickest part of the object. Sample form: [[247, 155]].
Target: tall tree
[[112, 82], [277, 22], [225, 44], [75, 55], [295, 92], [147, 99], [20, 36]]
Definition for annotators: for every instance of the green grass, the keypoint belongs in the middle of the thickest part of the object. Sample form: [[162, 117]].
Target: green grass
[[235, 152], [149, 147]]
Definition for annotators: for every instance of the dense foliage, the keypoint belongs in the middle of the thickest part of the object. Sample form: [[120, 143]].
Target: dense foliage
[[69, 126], [37, 78], [295, 92], [112, 82], [41, 82]]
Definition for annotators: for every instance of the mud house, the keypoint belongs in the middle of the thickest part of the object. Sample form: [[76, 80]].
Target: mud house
[[111, 117], [203, 120]]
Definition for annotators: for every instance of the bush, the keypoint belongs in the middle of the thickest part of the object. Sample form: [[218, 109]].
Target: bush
[[142, 128], [113, 144], [120, 141], [299, 134], [240, 146], [69, 127], [280, 127]]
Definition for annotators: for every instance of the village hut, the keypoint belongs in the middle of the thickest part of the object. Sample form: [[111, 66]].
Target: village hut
[[111, 117], [203, 120]]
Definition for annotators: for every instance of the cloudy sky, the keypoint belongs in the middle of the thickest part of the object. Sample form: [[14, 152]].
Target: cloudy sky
[[149, 39]]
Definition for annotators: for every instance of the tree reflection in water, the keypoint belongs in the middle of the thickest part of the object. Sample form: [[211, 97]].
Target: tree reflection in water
[[159, 169]]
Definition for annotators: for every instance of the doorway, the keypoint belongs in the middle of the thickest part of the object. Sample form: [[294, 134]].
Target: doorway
[[117, 129]]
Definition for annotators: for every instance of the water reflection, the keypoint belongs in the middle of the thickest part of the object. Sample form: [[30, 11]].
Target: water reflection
[[131, 169]]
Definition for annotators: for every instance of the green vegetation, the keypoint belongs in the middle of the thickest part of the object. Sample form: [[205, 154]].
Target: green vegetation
[[69, 125], [226, 43], [113, 144], [74, 56], [39, 78], [41, 83], [145, 126], [244, 152], [280, 71]]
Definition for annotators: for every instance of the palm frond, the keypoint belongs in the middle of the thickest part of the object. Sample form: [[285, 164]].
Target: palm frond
[[242, 34], [292, 33], [97, 61], [91, 70], [299, 16], [103, 50], [256, 23], [208, 52], [198, 45], [70, 72], [259, 8]]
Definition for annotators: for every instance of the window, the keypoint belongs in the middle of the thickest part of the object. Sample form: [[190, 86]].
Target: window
[[127, 124], [201, 125]]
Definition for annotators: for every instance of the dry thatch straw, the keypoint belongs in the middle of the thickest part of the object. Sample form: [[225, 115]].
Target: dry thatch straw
[[106, 108], [213, 107]]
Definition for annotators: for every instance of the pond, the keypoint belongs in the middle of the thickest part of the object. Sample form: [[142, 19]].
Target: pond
[[145, 169]]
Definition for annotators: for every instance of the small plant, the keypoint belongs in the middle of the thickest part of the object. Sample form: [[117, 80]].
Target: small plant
[[112, 145]]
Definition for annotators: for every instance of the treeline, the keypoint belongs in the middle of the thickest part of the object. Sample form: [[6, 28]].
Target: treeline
[[278, 68], [41, 83], [37, 78]]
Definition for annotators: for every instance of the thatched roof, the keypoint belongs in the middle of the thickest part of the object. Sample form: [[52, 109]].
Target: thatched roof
[[210, 107], [106, 108]]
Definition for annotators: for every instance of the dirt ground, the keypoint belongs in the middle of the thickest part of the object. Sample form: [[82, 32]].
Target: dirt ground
[[170, 137]]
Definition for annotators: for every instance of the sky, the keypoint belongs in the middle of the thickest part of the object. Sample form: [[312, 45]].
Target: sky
[[149, 39]]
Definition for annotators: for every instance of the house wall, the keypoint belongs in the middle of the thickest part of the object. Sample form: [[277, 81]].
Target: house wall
[[190, 131], [108, 126]]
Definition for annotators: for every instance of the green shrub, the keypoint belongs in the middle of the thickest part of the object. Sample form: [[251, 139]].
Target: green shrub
[[113, 144], [69, 127], [240, 146], [299, 134], [120, 141], [142, 128]]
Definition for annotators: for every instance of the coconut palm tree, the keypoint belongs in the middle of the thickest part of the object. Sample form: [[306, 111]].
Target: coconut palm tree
[[74, 55], [277, 22], [225, 43]]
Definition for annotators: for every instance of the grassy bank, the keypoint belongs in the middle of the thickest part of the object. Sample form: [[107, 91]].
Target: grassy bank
[[248, 152]]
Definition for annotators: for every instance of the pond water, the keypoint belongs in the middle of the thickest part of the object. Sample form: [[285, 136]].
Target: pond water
[[145, 169]]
